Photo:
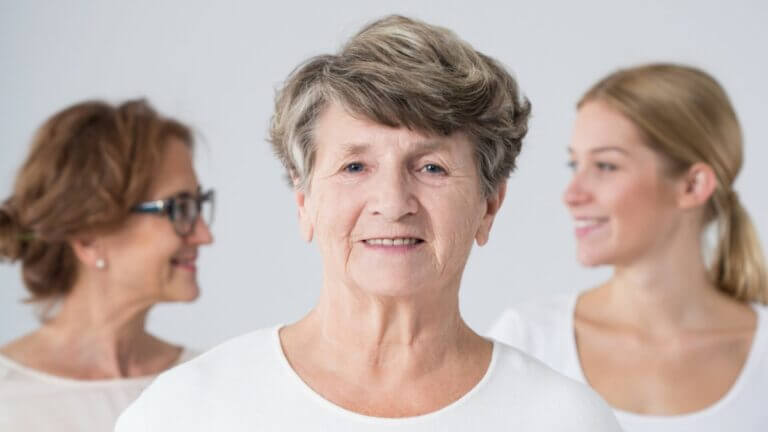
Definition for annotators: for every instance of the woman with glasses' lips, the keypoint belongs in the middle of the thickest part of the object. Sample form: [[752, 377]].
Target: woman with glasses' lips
[[672, 341], [106, 219], [399, 148]]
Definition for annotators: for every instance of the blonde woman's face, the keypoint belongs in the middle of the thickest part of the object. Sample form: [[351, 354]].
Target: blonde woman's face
[[623, 206], [394, 212]]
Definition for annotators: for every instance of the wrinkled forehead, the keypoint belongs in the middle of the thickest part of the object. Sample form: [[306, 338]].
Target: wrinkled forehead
[[339, 133]]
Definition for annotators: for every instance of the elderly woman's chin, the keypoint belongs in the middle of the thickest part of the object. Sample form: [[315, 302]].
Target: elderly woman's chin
[[403, 281], [396, 288]]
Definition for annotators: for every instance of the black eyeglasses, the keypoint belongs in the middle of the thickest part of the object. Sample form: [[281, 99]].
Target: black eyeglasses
[[182, 209]]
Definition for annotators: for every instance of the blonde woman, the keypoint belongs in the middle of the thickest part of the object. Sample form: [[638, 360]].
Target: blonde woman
[[672, 342]]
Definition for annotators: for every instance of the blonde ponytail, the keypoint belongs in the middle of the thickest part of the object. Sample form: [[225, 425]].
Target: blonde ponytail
[[739, 268]]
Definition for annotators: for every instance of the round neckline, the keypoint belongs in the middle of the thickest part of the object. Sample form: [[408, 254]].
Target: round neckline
[[389, 421], [62, 380], [733, 390]]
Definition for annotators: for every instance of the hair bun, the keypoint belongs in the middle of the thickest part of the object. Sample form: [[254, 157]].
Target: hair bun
[[12, 237]]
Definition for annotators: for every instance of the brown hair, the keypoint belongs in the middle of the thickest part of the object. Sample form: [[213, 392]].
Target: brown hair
[[87, 166], [402, 72], [686, 117]]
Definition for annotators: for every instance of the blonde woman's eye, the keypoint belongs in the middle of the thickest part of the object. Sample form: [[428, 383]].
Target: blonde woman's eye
[[571, 164], [604, 166]]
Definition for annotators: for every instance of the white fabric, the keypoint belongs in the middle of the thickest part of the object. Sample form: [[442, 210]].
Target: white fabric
[[544, 329], [247, 384], [32, 401]]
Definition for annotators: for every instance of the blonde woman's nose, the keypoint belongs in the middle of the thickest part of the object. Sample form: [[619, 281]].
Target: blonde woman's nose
[[576, 193]]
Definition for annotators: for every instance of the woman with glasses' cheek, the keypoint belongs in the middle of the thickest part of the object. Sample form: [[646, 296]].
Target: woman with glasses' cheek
[[104, 219]]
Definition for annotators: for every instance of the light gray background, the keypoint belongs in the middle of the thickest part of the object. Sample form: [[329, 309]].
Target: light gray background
[[216, 65]]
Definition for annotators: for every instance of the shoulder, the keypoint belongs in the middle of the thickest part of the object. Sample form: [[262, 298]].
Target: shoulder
[[554, 400], [531, 374], [544, 308], [229, 359], [220, 375], [11, 376], [525, 324]]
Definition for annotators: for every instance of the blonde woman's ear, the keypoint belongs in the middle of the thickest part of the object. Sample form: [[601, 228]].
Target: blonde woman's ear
[[698, 185]]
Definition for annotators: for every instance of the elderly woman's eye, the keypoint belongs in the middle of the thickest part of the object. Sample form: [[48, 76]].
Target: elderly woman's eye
[[354, 167], [433, 169]]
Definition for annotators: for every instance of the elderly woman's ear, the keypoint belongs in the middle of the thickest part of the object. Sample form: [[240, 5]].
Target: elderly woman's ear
[[306, 226], [493, 204]]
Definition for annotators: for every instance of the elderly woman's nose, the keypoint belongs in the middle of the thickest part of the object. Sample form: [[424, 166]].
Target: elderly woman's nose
[[393, 196]]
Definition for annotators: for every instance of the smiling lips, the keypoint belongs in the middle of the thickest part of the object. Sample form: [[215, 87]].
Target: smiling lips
[[187, 263], [586, 226], [393, 242]]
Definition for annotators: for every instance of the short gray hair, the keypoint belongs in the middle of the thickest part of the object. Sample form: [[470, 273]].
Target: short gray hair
[[404, 73]]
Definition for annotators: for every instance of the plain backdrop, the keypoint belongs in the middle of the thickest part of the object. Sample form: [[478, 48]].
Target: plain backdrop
[[216, 65]]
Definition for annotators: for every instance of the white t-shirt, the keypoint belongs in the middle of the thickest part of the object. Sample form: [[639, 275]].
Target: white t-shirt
[[247, 384], [544, 329], [33, 401]]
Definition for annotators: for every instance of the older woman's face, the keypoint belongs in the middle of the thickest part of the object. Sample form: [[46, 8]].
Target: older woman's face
[[394, 211]]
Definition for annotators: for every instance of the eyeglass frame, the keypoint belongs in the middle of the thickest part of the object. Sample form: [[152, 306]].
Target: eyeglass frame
[[165, 207]]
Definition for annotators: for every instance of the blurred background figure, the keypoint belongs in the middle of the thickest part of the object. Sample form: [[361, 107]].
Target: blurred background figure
[[672, 341], [106, 220], [398, 148]]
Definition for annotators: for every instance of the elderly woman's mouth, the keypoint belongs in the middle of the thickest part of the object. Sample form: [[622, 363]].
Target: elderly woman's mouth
[[397, 241]]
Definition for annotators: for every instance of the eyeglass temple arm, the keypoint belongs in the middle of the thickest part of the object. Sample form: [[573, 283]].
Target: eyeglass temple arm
[[151, 207]]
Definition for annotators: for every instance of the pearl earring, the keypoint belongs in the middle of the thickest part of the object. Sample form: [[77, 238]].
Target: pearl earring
[[101, 264]]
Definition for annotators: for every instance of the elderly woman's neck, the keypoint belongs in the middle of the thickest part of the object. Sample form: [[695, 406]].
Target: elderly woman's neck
[[381, 329]]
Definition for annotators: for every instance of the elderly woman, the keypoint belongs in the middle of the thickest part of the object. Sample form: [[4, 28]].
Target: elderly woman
[[104, 219], [398, 149], [673, 342]]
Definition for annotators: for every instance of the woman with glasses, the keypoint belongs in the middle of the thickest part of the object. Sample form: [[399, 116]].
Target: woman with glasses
[[106, 218]]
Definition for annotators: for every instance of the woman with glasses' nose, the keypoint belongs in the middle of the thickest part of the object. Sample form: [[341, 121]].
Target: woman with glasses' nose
[[106, 218]]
